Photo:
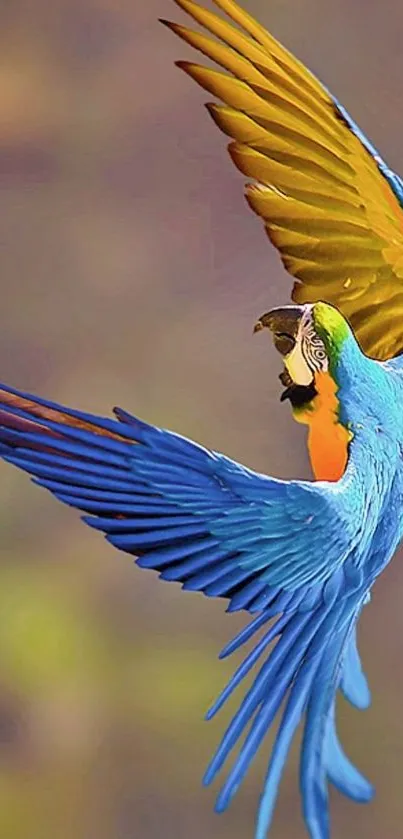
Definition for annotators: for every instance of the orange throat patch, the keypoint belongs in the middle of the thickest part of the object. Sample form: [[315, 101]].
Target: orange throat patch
[[328, 439]]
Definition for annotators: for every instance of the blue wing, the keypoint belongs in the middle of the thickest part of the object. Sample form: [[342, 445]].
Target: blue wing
[[289, 549], [195, 515]]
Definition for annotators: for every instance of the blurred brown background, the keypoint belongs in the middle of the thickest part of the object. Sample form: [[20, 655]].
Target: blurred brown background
[[132, 273]]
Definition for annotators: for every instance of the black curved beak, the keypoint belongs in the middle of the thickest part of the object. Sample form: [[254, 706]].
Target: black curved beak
[[284, 323]]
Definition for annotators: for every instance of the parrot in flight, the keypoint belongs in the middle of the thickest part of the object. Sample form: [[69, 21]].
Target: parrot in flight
[[300, 556]]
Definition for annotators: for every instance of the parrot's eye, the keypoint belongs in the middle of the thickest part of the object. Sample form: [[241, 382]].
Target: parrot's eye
[[283, 342], [319, 354]]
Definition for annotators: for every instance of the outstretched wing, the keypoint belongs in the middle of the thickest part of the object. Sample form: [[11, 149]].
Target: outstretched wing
[[290, 549], [330, 204], [195, 515]]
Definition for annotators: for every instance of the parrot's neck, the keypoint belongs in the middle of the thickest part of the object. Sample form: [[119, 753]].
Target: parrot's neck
[[328, 438]]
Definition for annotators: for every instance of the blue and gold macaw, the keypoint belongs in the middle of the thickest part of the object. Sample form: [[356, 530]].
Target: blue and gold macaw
[[300, 556]]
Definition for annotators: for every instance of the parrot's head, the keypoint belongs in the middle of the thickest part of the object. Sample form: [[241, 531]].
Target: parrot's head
[[310, 340]]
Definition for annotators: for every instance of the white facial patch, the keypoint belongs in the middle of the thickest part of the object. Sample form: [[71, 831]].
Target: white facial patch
[[309, 355], [297, 367]]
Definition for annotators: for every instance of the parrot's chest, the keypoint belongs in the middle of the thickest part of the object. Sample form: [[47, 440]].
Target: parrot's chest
[[328, 439]]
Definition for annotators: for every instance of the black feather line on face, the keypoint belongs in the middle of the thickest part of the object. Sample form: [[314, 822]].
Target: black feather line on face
[[313, 351]]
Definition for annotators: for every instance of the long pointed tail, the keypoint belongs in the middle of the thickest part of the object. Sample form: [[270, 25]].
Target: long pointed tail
[[311, 657]]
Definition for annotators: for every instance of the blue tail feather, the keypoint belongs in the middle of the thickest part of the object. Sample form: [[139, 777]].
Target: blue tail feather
[[248, 663], [354, 685], [256, 693], [244, 635], [340, 771], [306, 663]]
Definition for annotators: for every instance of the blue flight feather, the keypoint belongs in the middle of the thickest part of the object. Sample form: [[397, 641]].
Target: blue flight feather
[[294, 551]]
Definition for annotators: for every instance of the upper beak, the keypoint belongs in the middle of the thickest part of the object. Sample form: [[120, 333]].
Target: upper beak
[[284, 323]]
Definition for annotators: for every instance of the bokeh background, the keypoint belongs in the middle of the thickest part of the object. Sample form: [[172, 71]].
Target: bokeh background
[[131, 274]]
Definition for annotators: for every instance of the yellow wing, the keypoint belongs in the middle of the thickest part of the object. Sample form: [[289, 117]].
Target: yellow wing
[[329, 203]]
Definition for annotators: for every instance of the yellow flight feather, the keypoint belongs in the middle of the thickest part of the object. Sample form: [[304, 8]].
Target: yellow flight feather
[[325, 203]]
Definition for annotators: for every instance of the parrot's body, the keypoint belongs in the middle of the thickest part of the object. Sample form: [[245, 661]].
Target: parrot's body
[[305, 553]]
